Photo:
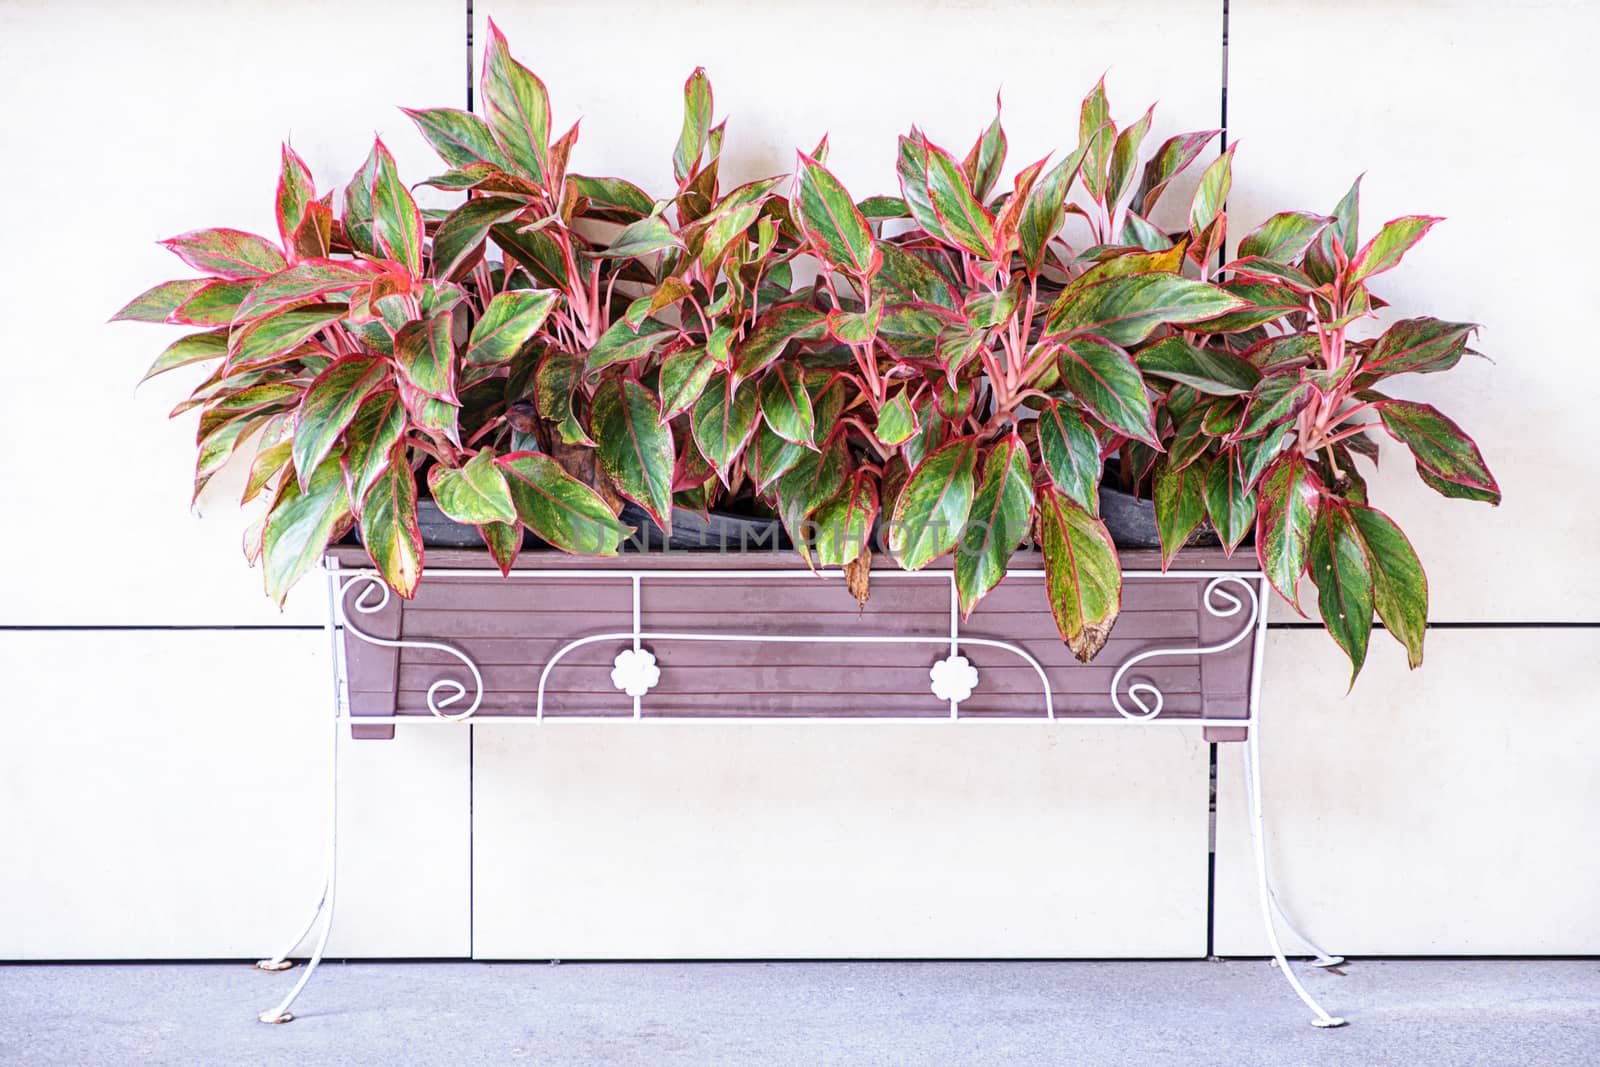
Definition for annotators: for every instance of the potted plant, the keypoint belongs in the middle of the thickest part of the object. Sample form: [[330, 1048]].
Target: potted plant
[[938, 377]]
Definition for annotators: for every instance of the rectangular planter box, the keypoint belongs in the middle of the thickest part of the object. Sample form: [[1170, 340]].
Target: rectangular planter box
[[512, 629]]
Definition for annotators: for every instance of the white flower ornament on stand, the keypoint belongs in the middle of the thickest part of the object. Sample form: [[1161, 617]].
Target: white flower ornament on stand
[[634, 671], [954, 678]]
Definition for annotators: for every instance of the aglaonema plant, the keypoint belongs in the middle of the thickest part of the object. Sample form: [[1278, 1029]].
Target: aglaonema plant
[[953, 379]]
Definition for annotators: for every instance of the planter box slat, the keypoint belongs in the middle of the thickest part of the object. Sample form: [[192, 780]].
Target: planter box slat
[[512, 628]]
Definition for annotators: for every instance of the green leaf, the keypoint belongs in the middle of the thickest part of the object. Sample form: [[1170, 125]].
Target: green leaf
[[396, 223], [460, 137], [370, 440], [811, 481], [1180, 505], [772, 333], [1107, 382], [560, 509], [1257, 453], [475, 492], [504, 542], [904, 277], [507, 323], [911, 167], [329, 405], [1385, 250], [988, 155], [270, 337], [214, 305], [834, 228], [1083, 576], [1071, 454], [932, 509], [536, 252], [1208, 370], [844, 521], [1096, 135], [1266, 304], [1344, 580], [1441, 449], [1423, 345], [192, 348], [465, 229], [1046, 209], [696, 124], [306, 280], [1275, 401], [1170, 160], [1230, 500], [879, 208], [295, 191], [427, 357], [1126, 309], [157, 303], [635, 449], [300, 525], [1284, 518], [1400, 588], [912, 331], [554, 382], [389, 528], [963, 221], [225, 253], [855, 327], [1284, 236], [624, 344], [684, 376], [722, 421], [1125, 156], [649, 234], [518, 109], [896, 421], [1001, 514], [770, 457], [786, 404], [1215, 184], [612, 199]]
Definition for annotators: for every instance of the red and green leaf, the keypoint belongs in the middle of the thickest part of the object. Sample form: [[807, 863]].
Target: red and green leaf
[[302, 521], [1344, 579], [634, 448], [560, 509], [1071, 454], [1289, 501], [507, 323], [517, 108], [426, 356], [1083, 576], [786, 404], [723, 419], [1441, 450], [329, 405], [388, 518], [1107, 382], [833, 226], [475, 492], [1400, 588], [932, 509], [1127, 308], [227, 253], [1179, 498], [1001, 513]]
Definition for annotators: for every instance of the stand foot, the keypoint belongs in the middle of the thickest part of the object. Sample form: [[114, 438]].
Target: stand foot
[[1330, 1023], [273, 965], [275, 1017]]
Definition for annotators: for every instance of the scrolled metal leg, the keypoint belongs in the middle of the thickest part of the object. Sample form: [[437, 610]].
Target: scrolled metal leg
[[1269, 905], [325, 906]]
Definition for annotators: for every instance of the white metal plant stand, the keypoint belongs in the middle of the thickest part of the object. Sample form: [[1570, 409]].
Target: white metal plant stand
[[635, 673]]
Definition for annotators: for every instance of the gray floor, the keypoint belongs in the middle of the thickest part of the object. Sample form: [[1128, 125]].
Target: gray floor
[[1402, 1012]]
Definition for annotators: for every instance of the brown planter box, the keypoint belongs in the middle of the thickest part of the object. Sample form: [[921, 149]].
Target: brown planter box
[[511, 629]]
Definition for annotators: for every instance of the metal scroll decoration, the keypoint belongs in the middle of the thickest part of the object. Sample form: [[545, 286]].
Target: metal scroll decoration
[[1220, 603]]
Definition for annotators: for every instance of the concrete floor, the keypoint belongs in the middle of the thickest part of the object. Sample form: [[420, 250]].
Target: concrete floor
[[1402, 1012]]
